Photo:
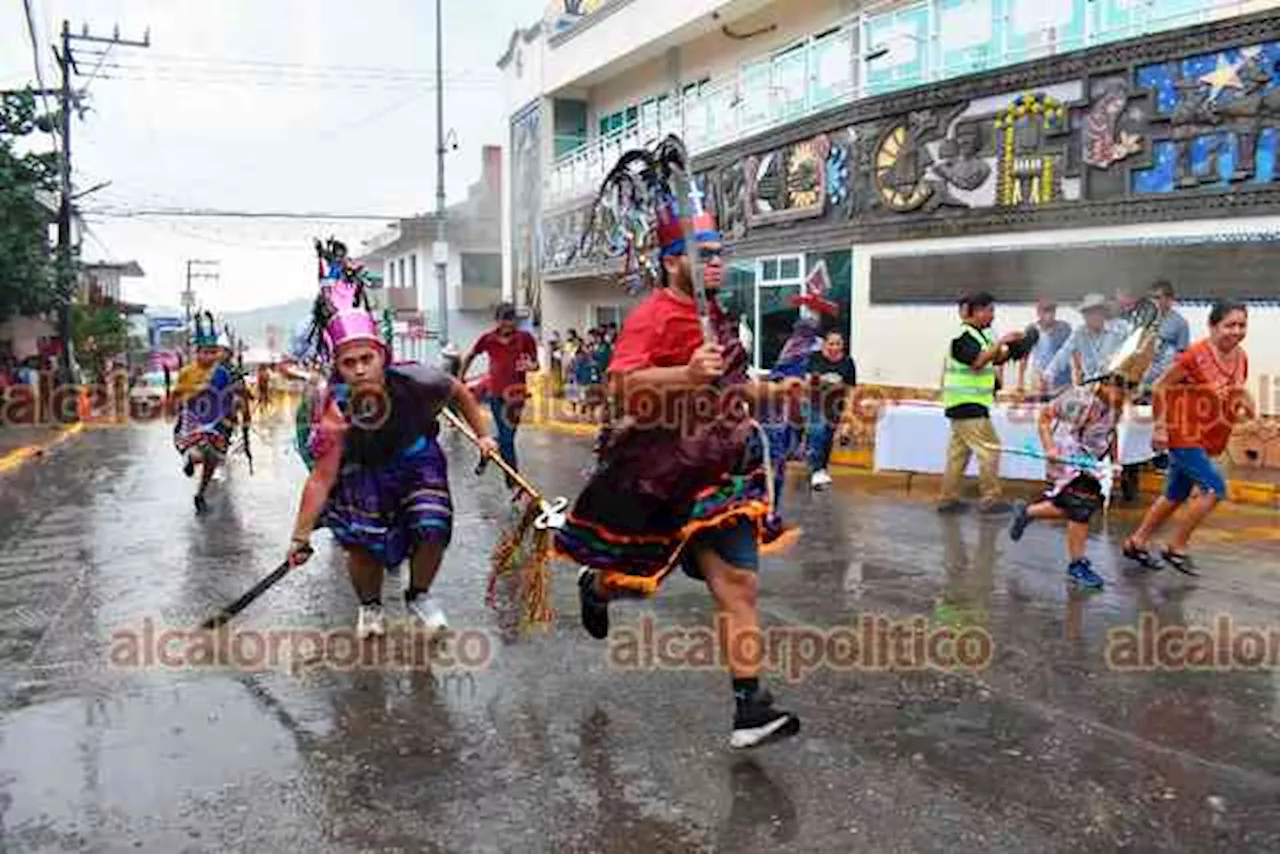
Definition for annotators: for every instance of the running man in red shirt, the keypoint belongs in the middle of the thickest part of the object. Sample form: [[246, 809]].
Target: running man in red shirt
[[681, 480], [1198, 402], [512, 354]]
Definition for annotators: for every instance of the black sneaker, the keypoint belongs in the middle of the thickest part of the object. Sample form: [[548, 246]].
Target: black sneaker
[[189, 467], [201, 504], [1020, 521], [756, 723], [595, 611]]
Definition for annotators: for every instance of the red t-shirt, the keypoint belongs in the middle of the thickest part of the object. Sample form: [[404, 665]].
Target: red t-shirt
[[663, 331], [1200, 410], [509, 362]]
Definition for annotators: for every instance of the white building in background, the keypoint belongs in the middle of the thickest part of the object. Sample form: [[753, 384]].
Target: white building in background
[[915, 148], [404, 256]]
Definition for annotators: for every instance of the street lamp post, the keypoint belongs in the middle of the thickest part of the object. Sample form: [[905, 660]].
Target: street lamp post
[[441, 249]]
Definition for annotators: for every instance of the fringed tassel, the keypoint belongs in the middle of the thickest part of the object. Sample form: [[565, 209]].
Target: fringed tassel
[[524, 551]]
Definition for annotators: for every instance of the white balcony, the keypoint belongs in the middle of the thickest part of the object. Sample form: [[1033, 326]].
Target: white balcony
[[910, 45]]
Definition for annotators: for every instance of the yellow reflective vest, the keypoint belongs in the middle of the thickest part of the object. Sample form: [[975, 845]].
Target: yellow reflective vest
[[961, 384]]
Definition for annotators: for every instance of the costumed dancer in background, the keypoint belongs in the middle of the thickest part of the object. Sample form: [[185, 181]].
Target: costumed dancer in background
[[1197, 404], [680, 479], [785, 424], [206, 399], [379, 480]]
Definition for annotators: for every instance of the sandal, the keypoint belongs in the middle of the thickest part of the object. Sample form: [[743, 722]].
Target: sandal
[[1180, 562], [1137, 553]]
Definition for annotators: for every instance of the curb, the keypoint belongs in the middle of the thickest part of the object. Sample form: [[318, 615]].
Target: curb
[[859, 461], [15, 458]]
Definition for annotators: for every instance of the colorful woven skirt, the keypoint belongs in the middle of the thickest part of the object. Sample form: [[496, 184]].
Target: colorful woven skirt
[[209, 440], [389, 511], [636, 539]]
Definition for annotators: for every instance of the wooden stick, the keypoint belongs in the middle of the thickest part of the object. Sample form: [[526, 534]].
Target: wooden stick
[[510, 472]]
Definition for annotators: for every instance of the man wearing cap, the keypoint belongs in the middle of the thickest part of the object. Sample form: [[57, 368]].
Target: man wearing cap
[[512, 353], [1053, 334], [1089, 349]]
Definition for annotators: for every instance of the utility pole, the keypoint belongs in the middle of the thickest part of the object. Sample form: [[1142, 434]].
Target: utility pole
[[441, 248], [66, 271], [188, 295]]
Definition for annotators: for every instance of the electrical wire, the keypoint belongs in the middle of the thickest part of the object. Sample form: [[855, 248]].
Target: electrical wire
[[135, 65], [209, 213], [35, 56], [216, 63], [295, 84]]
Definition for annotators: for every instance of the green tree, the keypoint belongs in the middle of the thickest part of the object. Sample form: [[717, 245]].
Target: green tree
[[27, 274], [99, 333]]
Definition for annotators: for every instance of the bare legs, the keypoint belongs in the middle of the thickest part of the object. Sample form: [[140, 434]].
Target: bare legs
[[1198, 509], [424, 565], [366, 575], [1077, 532], [738, 621]]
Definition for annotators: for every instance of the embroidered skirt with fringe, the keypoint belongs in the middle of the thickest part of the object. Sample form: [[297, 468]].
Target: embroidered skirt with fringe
[[208, 439], [636, 538], [389, 511]]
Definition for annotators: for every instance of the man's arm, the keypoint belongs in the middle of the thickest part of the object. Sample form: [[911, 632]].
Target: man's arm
[[323, 476], [531, 348], [470, 357]]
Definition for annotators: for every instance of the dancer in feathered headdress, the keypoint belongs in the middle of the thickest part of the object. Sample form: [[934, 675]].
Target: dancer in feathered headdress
[[378, 479], [207, 403], [681, 479]]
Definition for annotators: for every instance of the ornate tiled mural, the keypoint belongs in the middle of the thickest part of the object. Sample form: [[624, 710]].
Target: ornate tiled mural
[[1108, 143]]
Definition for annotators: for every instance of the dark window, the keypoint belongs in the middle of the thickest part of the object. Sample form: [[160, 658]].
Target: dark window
[[481, 269]]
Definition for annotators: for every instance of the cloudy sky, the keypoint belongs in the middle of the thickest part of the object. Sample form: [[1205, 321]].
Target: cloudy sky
[[265, 105]]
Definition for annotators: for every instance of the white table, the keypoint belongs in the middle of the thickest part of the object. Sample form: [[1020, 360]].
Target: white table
[[913, 437]]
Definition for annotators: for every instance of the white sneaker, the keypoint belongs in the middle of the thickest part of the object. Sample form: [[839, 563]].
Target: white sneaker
[[428, 610], [820, 479], [371, 621]]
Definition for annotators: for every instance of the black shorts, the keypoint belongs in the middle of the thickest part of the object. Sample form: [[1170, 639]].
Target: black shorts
[[1079, 499]]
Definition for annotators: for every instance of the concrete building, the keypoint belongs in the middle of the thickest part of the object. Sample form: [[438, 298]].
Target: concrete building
[[916, 149], [403, 256], [101, 282]]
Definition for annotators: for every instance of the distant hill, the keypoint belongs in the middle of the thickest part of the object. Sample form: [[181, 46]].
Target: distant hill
[[252, 325]]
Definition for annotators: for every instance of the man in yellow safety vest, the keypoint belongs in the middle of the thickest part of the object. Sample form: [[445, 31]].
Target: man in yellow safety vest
[[968, 392]]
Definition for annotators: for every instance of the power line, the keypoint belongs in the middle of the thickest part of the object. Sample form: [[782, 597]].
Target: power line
[[124, 213], [35, 57], [296, 84], [218, 62], [275, 74]]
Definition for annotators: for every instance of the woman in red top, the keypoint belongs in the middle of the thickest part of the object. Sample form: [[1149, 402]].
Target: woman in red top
[[1198, 402]]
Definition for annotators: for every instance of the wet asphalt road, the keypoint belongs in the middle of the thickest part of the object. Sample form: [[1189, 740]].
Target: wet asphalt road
[[551, 748]]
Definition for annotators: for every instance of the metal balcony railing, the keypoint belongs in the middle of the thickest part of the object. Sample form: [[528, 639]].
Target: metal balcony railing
[[828, 69]]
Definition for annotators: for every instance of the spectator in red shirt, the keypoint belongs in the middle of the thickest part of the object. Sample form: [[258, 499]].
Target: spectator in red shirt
[[512, 354], [1198, 402]]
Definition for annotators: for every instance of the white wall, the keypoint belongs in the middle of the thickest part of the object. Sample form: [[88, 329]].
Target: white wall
[[905, 345], [567, 305], [24, 333], [635, 24]]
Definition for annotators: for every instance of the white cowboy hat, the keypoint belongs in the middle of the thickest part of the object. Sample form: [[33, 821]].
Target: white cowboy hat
[[1092, 301]]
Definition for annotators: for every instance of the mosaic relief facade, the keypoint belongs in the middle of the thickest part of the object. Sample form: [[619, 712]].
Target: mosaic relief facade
[[1172, 127]]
